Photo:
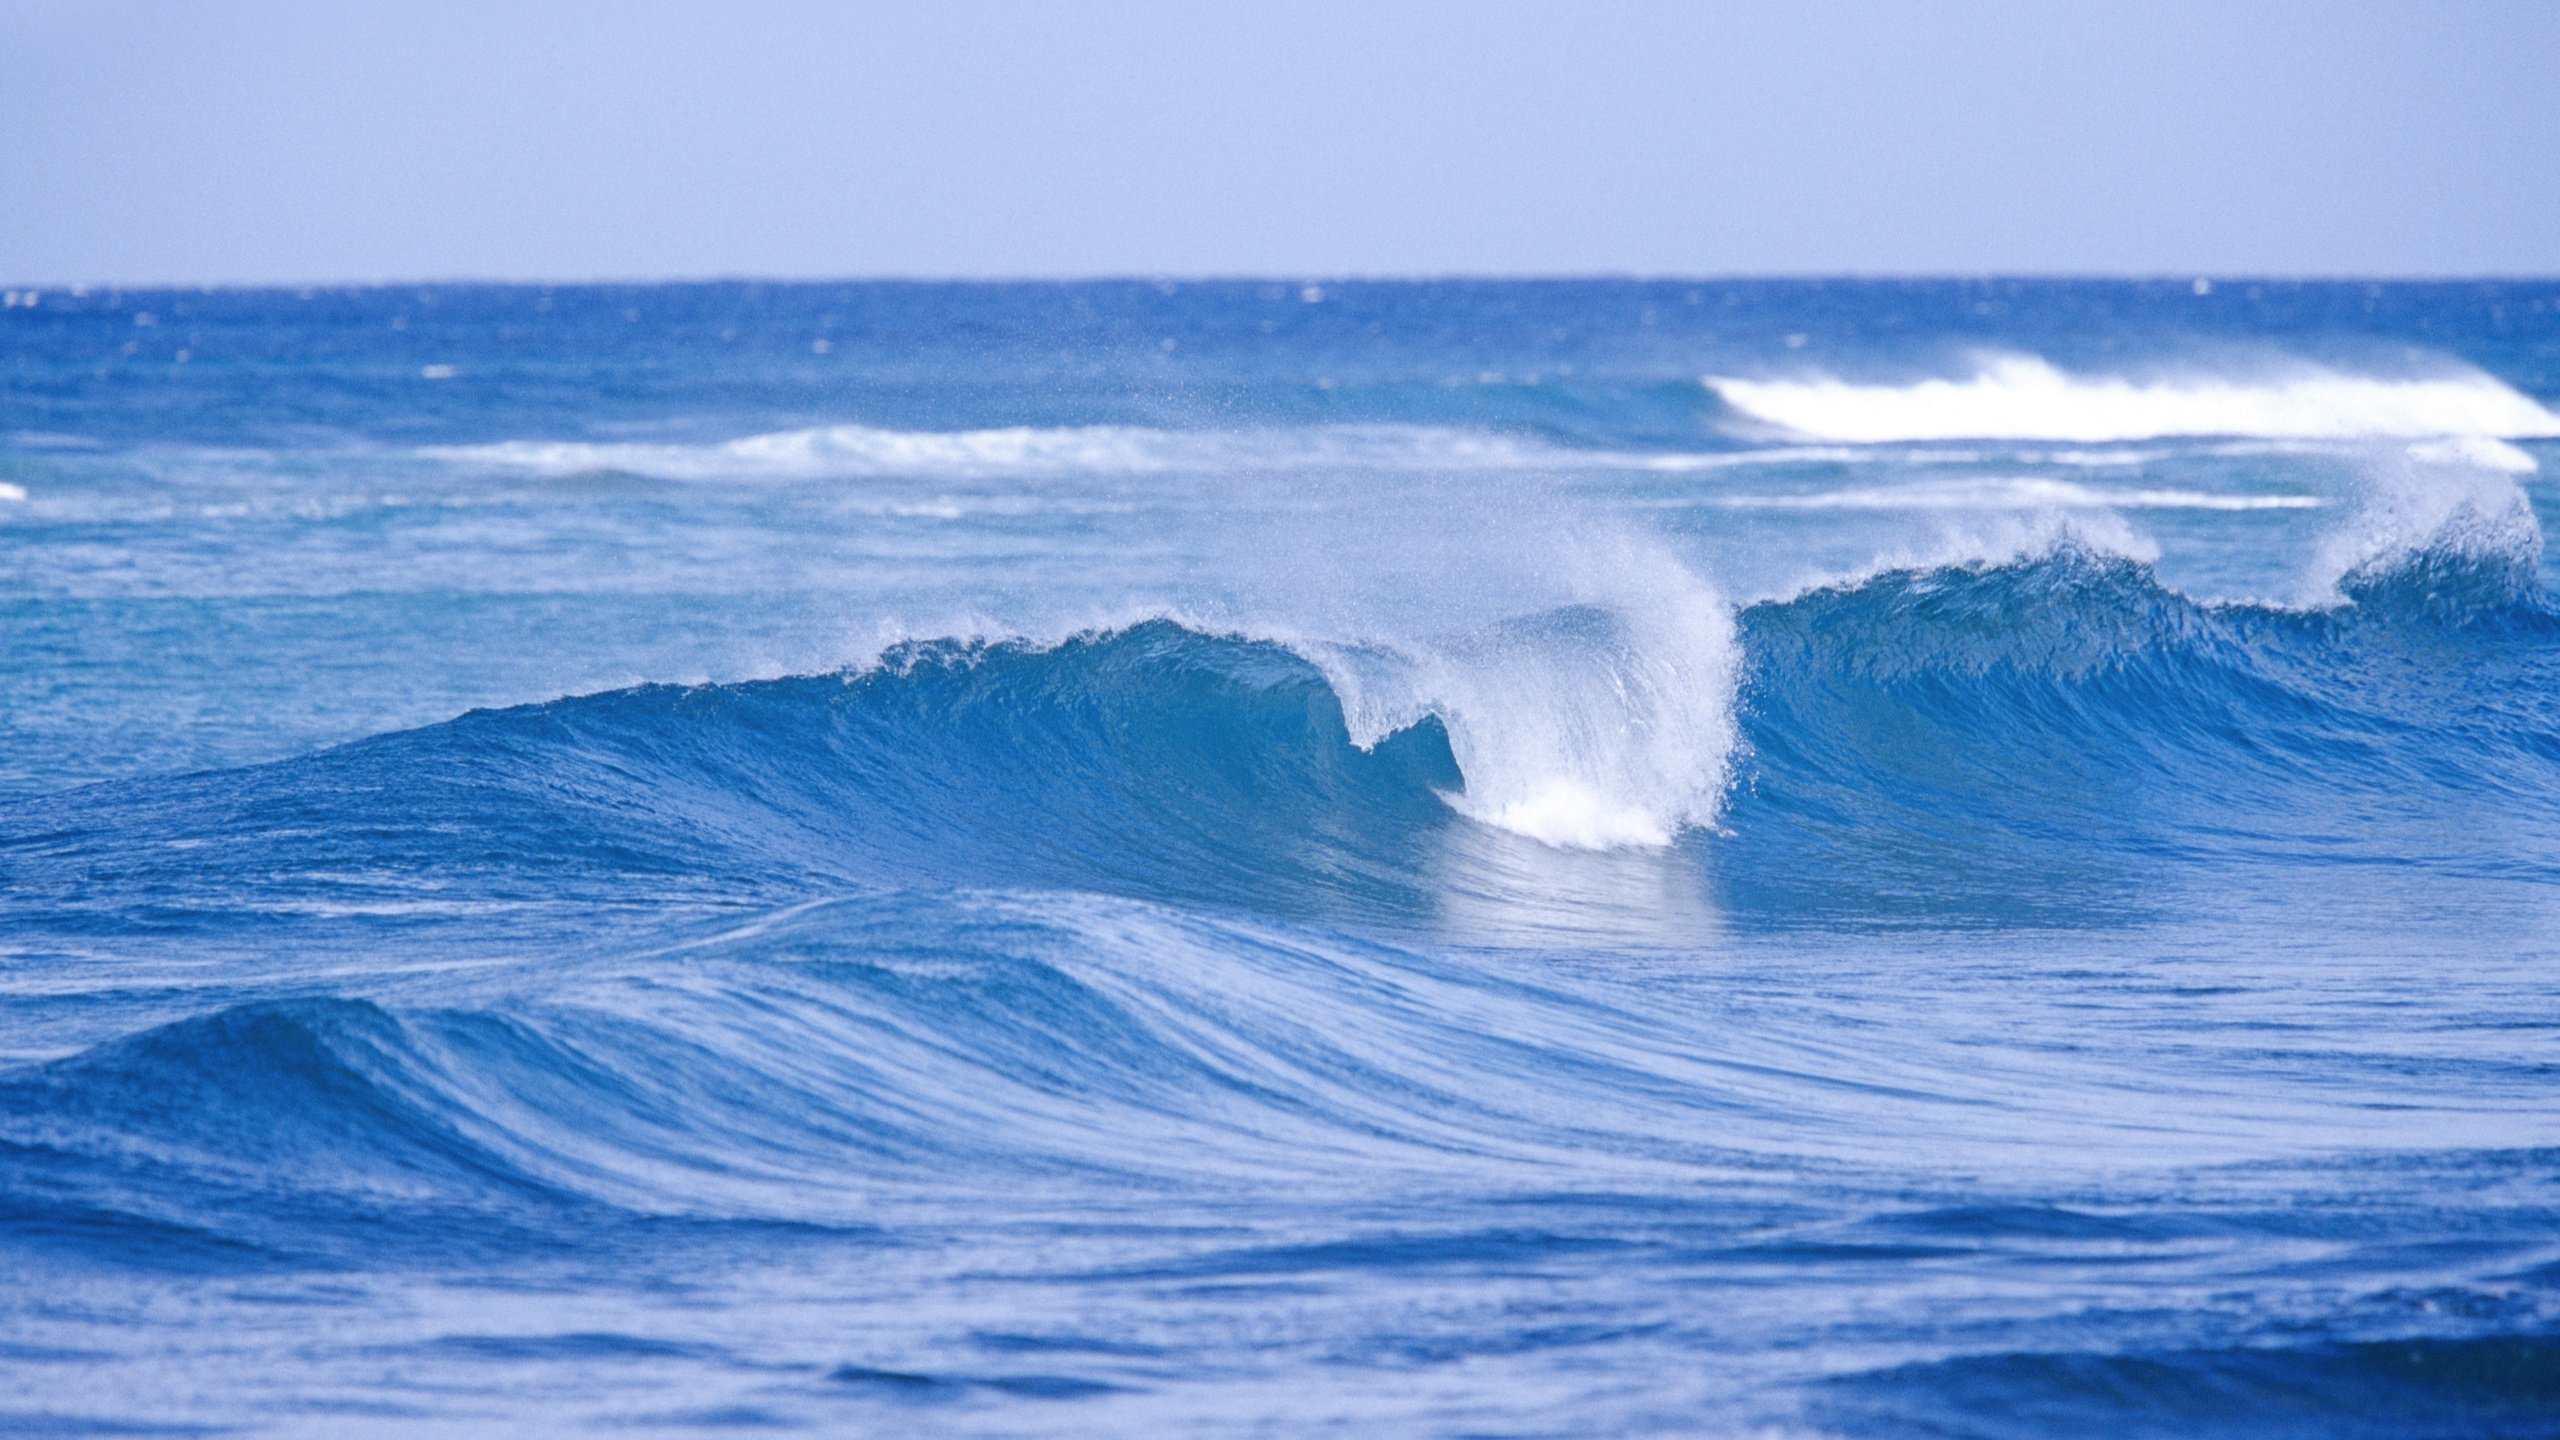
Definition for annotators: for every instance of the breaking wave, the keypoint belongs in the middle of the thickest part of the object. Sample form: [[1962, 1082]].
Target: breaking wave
[[2024, 397], [854, 451], [1992, 720]]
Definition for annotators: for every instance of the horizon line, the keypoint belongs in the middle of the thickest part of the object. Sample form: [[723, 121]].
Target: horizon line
[[1304, 278]]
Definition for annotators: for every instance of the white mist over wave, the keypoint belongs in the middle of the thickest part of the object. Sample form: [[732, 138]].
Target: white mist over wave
[[2024, 397], [2456, 500], [1584, 674], [1602, 723], [1980, 541], [1585, 677]]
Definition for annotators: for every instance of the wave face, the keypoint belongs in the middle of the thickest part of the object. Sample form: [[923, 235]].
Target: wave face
[[2026, 398], [2019, 734], [1260, 858], [1970, 732]]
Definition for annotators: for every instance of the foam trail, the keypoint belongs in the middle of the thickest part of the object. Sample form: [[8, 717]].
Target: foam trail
[[2023, 397], [2480, 452], [856, 451], [861, 451], [834, 450], [2002, 493]]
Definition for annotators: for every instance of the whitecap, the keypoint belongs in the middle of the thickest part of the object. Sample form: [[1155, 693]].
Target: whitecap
[[2024, 397], [1998, 493], [2477, 451], [2448, 501], [1603, 724], [857, 451]]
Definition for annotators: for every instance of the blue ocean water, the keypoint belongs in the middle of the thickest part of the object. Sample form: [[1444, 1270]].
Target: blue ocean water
[[1962, 859]]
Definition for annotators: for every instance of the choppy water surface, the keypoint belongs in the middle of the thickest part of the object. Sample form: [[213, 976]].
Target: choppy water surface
[[1488, 859]]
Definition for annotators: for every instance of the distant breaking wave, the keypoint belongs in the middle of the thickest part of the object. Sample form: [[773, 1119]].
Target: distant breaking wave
[[1029, 451], [2023, 400], [2023, 397], [862, 450]]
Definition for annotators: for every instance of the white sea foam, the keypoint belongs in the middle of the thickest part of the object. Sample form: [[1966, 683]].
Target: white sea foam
[[1604, 723], [2479, 452], [2023, 397], [11, 494], [1686, 462], [1998, 493], [2452, 500], [825, 451], [855, 451]]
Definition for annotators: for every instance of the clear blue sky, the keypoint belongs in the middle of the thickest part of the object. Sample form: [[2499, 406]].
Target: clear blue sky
[[142, 140]]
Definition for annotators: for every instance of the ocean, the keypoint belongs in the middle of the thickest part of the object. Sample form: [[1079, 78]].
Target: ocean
[[1576, 858]]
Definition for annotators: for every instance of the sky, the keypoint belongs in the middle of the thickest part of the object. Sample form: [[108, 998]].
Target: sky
[[146, 141]]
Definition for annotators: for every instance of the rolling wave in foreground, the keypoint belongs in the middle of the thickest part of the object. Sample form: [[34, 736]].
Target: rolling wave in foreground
[[1875, 938]]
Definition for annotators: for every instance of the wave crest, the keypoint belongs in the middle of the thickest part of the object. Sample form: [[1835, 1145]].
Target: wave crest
[[2024, 397], [1592, 725], [2002, 717], [2437, 525], [861, 451]]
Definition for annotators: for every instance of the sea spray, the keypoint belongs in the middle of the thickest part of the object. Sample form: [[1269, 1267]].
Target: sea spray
[[571, 863], [1600, 722], [2433, 508]]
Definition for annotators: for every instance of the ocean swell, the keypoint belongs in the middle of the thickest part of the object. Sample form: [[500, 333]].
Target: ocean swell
[[1981, 716]]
